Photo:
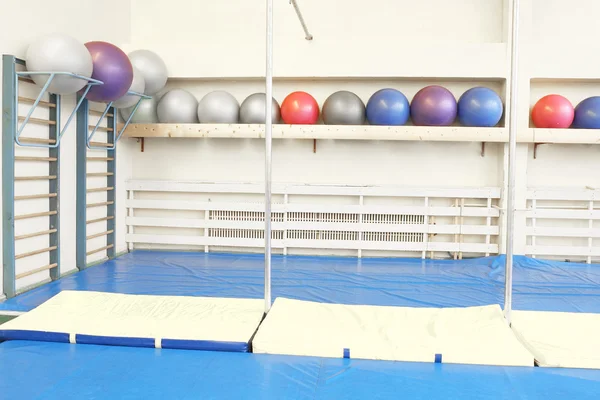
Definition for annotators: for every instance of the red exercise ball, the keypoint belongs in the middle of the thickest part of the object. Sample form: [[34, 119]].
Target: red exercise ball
[[553, 111], [299, 108]]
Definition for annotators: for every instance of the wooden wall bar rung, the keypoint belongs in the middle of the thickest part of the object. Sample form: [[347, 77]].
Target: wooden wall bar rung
[[35, 196], [35, 234], [38, 121], [27, 100], [110, 246], [101, 128], [37, 140], [92, 221], [99, 234], [35, 271], [24, 79], [105, 203], [35, 178], [100, 144], [100, 159], [103, 189], [99, 113], [35, 252], [90, 174], [34, 215], [27, 158]]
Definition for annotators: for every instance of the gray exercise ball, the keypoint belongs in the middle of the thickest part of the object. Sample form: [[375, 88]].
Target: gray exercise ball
[[218, 107], [343, 108], [145, 114], [137, 85], [252, 110], [153, 69], [177, 106]]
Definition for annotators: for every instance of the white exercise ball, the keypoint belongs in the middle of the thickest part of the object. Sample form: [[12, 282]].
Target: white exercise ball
[[153, 69], [137, 85], [145, 114], [178, 106], [58, 52], [218, 107]]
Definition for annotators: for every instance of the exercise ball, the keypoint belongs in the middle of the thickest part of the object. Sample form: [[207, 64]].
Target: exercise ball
[[480, 106], [111, 66], [388, 107], [58, 52], [553, 111], [145, 114], [343, 108], [137, 85], [253, 109], [178, 106], [433, 106], [153, 70], [218, 107], [587, 114], [299, 108]]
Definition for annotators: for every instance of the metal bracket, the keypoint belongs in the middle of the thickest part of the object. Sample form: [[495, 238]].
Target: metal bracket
[[307, 35], [91, 82], [116, 136]]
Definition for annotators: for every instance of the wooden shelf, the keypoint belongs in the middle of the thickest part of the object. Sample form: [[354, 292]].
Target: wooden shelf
[[360, 132], [567, 136]]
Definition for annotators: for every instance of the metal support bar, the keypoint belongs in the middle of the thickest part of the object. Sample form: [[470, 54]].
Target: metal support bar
[[307, 35], [52, 75], [112, 142], [9, 128], [81, 197], [268, 150], [512, 158], [111, 181], [54, 187]]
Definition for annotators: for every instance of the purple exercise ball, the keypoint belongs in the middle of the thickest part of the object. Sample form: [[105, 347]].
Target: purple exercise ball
[[433, 106], [111, 66]]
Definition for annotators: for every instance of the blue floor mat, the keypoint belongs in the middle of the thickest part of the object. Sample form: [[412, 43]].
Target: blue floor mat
[[538, 285], [37, 370]]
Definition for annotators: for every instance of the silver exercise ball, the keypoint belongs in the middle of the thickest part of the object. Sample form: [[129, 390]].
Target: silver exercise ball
[[58, 52], [153, 69], [145, 114], [218, 107], [178, 106], [343, 108], [252, 110], [137, 85]]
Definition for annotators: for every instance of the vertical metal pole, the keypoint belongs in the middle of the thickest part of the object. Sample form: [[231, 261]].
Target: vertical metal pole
[[111, 167], [512, 157], [9, 129], [81, 188], [268, 166], [54, 186]]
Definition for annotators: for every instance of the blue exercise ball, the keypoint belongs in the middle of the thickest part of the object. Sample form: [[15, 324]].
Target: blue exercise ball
[[587, 114], [388, 107], [480, 106]]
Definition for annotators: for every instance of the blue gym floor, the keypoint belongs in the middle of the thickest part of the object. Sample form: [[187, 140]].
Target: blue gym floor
[[38, 370]]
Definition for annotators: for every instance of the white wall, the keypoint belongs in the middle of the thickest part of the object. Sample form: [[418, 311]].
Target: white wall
[[20, 23], [362, 47]]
